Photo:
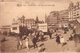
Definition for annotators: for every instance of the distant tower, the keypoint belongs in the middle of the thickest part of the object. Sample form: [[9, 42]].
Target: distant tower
[[23, 19], [37, 20], [45, 18], [13, 21]]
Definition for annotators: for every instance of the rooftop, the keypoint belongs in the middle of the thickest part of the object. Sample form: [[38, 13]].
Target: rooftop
[[29, 19]]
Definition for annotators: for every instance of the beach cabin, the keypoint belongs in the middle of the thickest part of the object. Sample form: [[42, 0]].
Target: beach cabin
[[77, 24], [15, 28]]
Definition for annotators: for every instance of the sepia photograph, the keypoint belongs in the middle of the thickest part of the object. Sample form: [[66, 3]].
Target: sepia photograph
[[39, 26]]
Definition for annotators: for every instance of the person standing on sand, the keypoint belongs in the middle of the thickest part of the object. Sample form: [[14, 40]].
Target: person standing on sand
[[50, 33], [34, 42], [58, 39], [27, 42], [19, 45], [62, 40]]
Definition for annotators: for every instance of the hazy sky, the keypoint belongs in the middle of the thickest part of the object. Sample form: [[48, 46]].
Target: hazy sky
[[10, 10]]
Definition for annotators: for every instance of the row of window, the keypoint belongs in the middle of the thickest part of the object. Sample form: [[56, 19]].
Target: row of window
[[30, 23], [74, 14]]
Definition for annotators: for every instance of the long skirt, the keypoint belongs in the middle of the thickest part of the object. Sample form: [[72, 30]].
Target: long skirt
[[27, 44]]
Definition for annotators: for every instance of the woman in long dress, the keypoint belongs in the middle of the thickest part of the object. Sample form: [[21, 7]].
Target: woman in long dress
[[27, 42], [62, 41]]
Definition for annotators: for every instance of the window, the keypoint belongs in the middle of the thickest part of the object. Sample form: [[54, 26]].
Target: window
[[14, 28]]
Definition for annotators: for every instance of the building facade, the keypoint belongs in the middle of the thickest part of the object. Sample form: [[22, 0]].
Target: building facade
[[29, 22], [52, 18], [6, 29], [74, 11], [15, 26], [63, 18], [63, 15]]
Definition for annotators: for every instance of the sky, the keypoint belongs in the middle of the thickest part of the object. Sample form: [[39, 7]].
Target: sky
[[10, 10]]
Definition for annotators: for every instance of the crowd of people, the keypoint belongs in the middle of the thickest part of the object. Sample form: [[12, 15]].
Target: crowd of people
[[60, 38], [35, 36], [29, 34], [72, 37]]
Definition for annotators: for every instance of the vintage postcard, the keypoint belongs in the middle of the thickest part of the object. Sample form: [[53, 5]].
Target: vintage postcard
[[39, 26]]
